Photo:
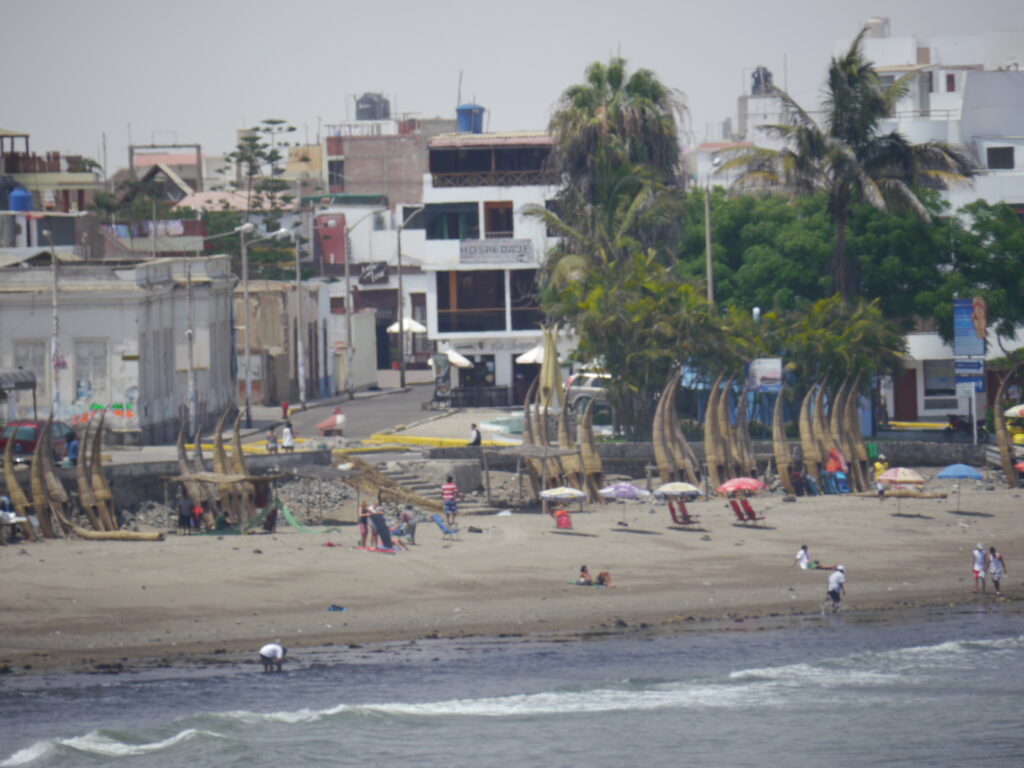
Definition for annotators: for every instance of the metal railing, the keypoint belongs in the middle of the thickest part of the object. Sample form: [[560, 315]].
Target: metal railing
[[494, 179]]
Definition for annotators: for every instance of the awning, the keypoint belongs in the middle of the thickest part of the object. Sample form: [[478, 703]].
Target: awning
[[16, 378]]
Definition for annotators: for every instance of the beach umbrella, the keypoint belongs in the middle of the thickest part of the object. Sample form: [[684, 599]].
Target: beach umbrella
[[408, 325], [1015, 412], [562, 493], [1019, 466], [623, 491], [741, 484], [900, 476], [959, 472], [677, 489]]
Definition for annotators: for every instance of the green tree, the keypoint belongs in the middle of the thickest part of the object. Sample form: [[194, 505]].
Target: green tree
[[987, 260], [848, 157], [611, 120]]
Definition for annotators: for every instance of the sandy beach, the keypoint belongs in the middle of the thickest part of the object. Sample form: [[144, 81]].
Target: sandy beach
[[72, 605]]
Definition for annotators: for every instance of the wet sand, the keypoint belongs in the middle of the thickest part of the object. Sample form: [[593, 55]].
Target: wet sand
[[73, 605]]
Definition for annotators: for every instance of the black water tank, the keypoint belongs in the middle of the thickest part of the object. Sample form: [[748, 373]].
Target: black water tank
[[373, 106]]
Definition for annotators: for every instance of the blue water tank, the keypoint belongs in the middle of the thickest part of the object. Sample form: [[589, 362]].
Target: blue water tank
[[469, 118], [20, 199]]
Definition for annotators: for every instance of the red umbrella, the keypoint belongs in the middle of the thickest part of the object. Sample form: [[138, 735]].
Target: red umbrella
[[1019, 466], [741, 484]]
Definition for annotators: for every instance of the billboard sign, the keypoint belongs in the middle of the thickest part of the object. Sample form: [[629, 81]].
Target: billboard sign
[[765, 374], [969, 327]]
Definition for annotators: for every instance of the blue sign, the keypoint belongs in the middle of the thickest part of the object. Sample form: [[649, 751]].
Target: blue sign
[[968, 328]]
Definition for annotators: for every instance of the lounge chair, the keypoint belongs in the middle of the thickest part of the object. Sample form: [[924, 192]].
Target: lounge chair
[[562, 519], [449, 534], [680, 514], [741, 519], [750, 515]]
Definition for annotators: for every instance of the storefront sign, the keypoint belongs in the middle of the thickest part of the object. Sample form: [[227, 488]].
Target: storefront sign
[[373, 272], [497, 251]]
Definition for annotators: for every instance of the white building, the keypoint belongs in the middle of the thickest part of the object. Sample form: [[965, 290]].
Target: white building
[[122, 341]]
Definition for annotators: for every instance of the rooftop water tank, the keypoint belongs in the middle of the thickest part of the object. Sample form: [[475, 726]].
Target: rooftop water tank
[[469, 118], [373, 106], [20, 199]]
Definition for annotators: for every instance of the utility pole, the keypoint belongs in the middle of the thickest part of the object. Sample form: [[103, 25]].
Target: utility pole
[[190, 335], [401, 302], [55, 339], [301, 332]]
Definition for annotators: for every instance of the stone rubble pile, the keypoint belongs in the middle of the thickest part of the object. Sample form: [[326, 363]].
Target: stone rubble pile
[[308, 499]]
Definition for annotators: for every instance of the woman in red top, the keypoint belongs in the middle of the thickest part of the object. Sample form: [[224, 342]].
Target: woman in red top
[[450, 495]]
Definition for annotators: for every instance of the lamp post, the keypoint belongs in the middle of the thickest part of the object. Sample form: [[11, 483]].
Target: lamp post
[[707, 231], [243, 231], [401, 301], [55, 340], [348, 304]]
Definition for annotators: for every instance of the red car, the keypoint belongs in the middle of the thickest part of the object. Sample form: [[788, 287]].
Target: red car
[[26, 435]]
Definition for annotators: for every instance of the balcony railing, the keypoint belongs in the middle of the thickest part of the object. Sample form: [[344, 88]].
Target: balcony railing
[[495, 179], [499, 235], [527, 319], [470, 320]]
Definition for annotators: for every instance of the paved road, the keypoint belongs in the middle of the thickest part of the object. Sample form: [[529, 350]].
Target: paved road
[[366, 414]]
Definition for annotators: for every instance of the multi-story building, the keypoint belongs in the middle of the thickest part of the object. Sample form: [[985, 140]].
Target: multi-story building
[[65, 183]]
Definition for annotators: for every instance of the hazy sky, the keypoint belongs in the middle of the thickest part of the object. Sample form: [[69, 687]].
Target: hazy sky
[[196, 70]]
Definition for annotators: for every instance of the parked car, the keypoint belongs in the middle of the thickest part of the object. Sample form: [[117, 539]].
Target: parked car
[[581, 388], [26, 434]]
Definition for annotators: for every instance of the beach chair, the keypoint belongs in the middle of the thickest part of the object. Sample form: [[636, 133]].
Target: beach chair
[[449, 534], [680, 514], [749, 514], [741, 519], [562, 519]]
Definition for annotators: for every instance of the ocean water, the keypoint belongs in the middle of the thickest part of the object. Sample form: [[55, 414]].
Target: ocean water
[[943, 689]]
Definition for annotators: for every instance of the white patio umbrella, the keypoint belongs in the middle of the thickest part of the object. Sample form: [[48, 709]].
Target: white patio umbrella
[[459, 361], [532, 356], [408, 325]]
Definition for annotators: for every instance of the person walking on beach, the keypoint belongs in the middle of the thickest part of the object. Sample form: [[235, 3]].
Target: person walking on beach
[[881, 465], [836, 587], [996, 569], [450, 496], [272, 656], [980, 562]]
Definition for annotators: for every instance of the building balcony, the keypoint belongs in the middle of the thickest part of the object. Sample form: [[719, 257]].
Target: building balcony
[[495, 179], [470, 320]]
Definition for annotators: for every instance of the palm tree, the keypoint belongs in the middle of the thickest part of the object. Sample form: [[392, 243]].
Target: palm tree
[[848, 157], [615, 119]]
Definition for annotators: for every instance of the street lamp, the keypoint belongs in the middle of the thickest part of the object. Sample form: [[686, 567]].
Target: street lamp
[[401, 301], [707, 230], [348, 303], [243, 230]]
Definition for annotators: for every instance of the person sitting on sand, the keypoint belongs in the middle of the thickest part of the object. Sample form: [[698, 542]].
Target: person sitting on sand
[[604, 579], [272, 655], [585, 579], [803, 559]]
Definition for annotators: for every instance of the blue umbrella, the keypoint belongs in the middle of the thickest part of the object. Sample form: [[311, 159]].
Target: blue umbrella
[[959, 472]]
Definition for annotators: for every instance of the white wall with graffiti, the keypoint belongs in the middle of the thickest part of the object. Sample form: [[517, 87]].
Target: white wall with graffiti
[[122, 345]]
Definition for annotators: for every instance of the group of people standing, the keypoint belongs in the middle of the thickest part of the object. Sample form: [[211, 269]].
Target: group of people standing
[[287, 438]]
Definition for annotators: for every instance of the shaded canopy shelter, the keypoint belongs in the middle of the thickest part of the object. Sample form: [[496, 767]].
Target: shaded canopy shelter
[[541, 453], [13, 379]]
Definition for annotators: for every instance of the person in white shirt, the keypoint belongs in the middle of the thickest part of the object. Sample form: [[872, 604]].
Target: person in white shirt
[[997, 568], [802, 558], [836, 586], [288, 438], [979, 567], [272, 655]]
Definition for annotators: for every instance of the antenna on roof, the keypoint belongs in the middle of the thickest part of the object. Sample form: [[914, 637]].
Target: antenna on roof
[[458, 97]]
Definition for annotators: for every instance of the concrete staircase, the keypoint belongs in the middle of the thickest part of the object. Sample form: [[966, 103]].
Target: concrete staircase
[[468, 505]]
